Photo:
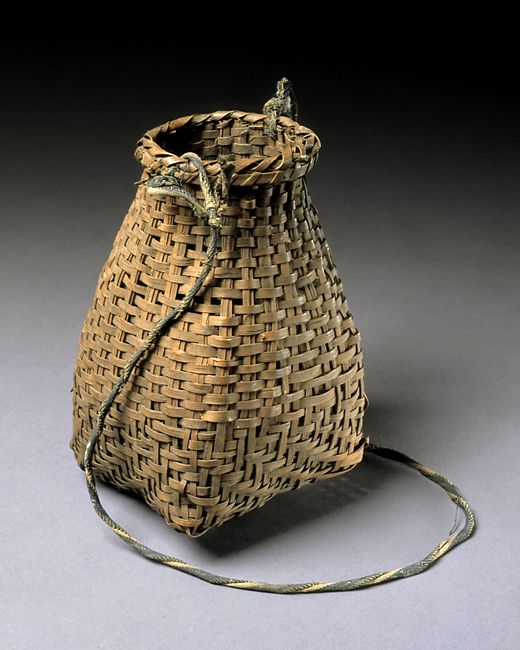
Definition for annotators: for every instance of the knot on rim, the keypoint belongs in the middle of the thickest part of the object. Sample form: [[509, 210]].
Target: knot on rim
[[214, 215], [214, 203]]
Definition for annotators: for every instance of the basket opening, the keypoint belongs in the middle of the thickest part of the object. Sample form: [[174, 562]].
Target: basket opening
[[238, 137]]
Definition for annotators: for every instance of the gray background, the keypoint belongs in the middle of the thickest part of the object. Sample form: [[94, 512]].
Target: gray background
[[417, 189]]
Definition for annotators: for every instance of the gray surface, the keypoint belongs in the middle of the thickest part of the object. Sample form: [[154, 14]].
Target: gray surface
[[421, 212]]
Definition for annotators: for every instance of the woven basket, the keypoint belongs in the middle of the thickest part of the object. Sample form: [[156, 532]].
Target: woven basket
[[257, 387]]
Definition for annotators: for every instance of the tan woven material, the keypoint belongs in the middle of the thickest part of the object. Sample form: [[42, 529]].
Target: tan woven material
[[258, 388]]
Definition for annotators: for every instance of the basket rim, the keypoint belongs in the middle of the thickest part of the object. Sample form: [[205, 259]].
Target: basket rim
[[292, 159]]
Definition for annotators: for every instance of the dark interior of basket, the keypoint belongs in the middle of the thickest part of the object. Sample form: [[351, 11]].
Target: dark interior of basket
[[233, 139]]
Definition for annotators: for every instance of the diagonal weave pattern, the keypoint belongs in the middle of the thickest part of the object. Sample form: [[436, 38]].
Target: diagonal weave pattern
[[258, 388]]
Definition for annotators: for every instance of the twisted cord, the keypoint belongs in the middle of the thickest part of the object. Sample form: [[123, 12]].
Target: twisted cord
[[211, 210], [352, 584], [283, 103]]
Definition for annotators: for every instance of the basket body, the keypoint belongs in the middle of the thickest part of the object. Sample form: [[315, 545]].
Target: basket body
[[258, 389]]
